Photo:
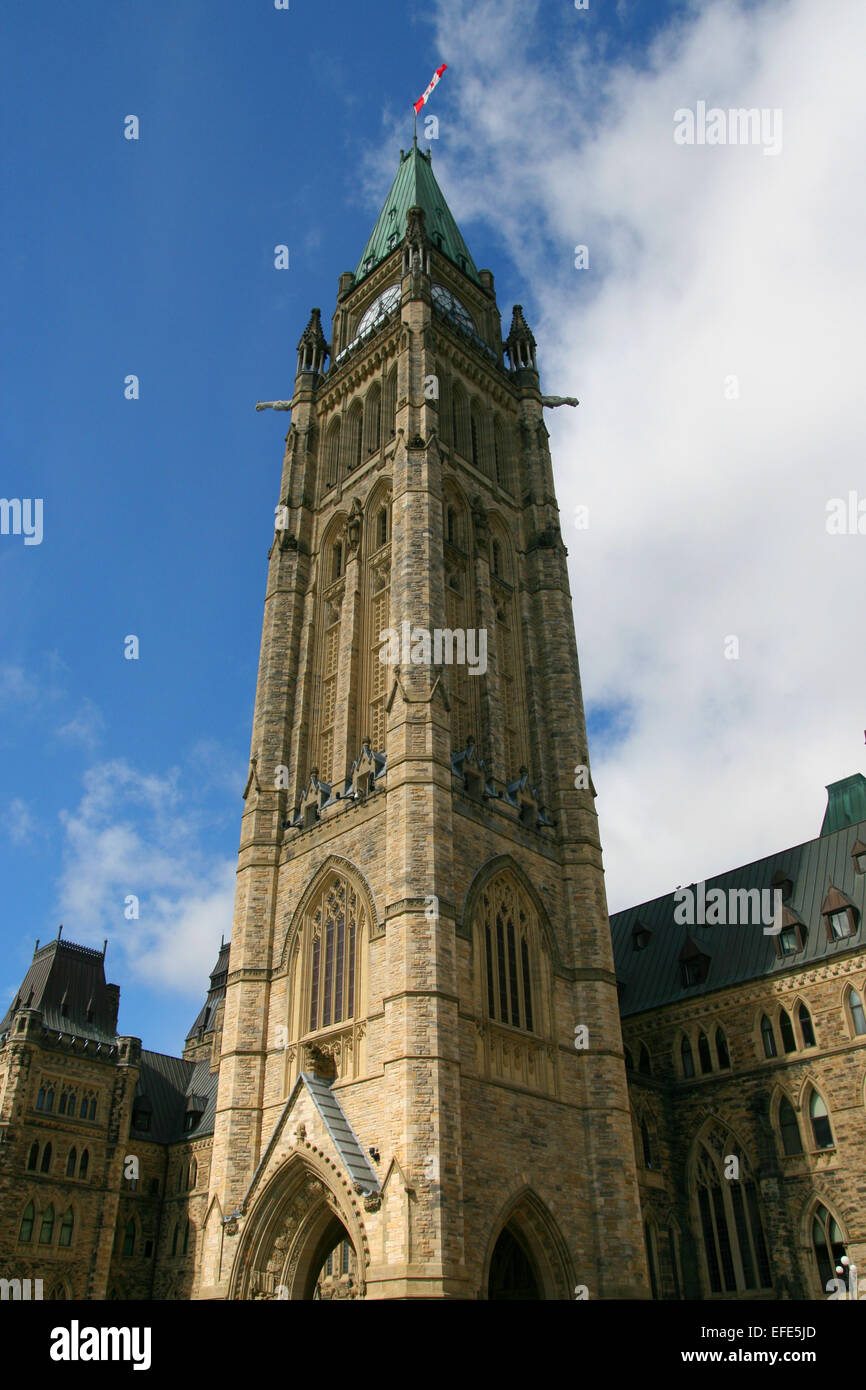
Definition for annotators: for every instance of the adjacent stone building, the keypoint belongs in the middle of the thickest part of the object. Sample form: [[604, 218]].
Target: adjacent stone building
[[408, 1078]]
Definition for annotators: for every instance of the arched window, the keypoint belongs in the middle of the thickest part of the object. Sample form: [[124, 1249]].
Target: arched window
[[506, 923], [507, 646], [93, 1109], [382, 536], [821, 1129], [46, 1230], [25, 1230], [335, 921], [193, 1175], [336, 561], [768, 1037], [646, 1145], [722, 1050], [858, 1016], [828, 1245], [40, 1099], [66, 1226], [389, 404], [452, 534], [688, 1060], [475, 436], [644, 1064], [353, 437], [174, 1239], [372, 420], [806, 1026], [82, 1114], [129, 1239], [789, 1042], [61, 1109], [500, 455], [789, 1128], [33, 1157], [332, 453], [496, 558], [651, 1258], [186, 1239], [45, 1165], [82, 1167], [704, 1052], [71, 1160], [735, 1249], [49, 1098], [460, 420], [377, 583]]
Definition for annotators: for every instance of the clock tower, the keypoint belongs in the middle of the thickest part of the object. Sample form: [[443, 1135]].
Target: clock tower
[[422, 1091]]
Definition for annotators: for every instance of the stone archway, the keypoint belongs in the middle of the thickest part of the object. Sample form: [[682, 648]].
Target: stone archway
[[527, 1258], [295, 1224]]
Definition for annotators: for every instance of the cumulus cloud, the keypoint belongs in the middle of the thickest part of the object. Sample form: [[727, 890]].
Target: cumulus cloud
[[136, 835], [19, 822], [707, 501]]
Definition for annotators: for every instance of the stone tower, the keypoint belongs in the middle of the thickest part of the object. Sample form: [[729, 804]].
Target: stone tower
[[420, 922]]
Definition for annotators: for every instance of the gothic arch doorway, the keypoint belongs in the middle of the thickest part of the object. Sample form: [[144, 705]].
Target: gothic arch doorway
[[512, 1271], [295, 1230], [527, 1258]]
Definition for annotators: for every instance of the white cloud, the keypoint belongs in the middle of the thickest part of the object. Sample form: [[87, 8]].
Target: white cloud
[[138, 834], [85, 726], [19, 822], [707, 515]]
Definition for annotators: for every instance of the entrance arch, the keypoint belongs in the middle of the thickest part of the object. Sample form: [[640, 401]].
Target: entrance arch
[[527, 1258], [294, 1226]]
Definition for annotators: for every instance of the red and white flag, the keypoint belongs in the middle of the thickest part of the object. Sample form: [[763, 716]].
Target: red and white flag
[[422, 101]]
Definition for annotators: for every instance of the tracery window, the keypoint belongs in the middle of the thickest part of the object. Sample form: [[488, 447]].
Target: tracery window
[[688, 1060], [335, 922], [66, 1227], [858, 1015], [827, 1243], [789, 1128], [768, 1037], [46, 1230], [378, 607], [506, 930], [722, 1052], [821, 1128], [25, 1230], [735, 1248]]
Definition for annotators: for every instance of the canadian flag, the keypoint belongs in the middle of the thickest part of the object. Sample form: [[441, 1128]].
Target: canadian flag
[[422, 101]]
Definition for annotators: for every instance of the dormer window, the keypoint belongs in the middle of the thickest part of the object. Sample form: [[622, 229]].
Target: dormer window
[[694, 965], [839, 913], [640, 937], [792, 938], [858, 854], [785, 885], [690, 972]]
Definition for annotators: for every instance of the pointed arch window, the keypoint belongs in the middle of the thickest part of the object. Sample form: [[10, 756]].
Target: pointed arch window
[[336, 921], [475, 436], [378, 615], [789, 1129], [687, 1058], [353, 442], [71, 1161], [507, 933], [806, 1026], [389, 404], [372, 420], [789, 1042], [28, 1218], [82, 1167], [129, 1240], [66, 1228], [45, 1165], [651, 1257], [704, 1053], [46, 1229], [186, 1239], [858, 1015], [722, 1052], [33, 1157], [821, 1128], [644, 1064], [646, 1144], [827, 1244], [768, 1037], [735, 1249], [332, 453]]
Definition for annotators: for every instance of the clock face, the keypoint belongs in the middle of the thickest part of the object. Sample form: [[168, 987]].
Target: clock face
[[450, 305], [380, 308]]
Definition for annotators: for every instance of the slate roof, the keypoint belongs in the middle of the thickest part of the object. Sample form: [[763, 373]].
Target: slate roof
[[415, 186], [846, 803], [345, 1139], [204, 1019], [652, 977], [67, 983], [167, 1085]]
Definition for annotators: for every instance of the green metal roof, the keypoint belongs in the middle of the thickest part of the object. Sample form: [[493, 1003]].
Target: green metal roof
[[846, 803], [416, 186]]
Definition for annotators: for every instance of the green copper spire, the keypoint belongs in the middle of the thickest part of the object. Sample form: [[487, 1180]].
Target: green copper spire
[[415, 186]]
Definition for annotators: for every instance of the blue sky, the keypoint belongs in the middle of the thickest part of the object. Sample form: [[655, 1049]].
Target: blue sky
[[155, 257]]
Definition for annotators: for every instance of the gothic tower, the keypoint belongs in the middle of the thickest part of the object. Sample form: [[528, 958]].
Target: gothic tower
[[420, 922]]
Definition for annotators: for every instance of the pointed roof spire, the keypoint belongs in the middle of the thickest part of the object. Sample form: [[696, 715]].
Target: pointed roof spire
[[415, 186], [312, 346], [520, 343]]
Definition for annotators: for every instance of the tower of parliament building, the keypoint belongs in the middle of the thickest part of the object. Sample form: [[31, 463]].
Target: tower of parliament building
[[429, 1064]]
